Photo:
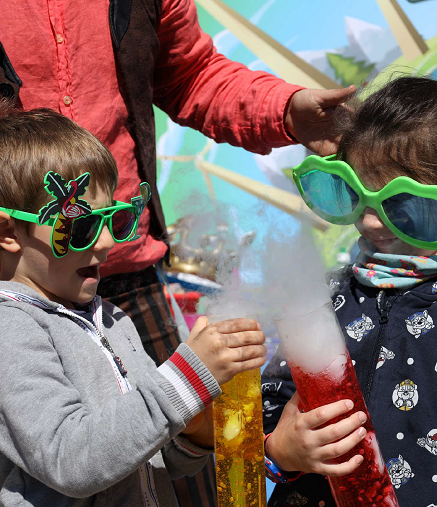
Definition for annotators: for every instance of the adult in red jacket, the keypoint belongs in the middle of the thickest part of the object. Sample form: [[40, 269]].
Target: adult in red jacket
[[103, 64]]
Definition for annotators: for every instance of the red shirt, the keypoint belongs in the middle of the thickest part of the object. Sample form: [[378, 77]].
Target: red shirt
[[62, 51]]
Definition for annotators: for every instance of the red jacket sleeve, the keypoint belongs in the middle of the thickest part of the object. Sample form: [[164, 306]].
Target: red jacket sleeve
[[200, 88]]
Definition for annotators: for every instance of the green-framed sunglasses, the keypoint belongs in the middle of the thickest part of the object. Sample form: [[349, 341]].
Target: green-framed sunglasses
[[334, 192], [76, 226]]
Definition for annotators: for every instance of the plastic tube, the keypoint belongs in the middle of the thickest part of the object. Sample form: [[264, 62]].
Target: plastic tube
[[239, 442], [323, 373]]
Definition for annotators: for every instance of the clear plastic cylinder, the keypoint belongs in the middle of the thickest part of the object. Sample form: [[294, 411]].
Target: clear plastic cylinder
[[323, 373]]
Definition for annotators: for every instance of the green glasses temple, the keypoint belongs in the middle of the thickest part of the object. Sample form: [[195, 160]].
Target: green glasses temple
[[138, 203]]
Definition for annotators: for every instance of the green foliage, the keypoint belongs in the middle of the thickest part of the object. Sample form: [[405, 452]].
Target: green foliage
[[348, 71]]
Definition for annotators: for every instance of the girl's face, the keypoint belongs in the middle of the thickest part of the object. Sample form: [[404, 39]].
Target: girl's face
[[372, 228]]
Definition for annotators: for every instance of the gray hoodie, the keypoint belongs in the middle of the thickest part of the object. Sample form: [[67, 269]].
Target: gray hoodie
[[70, 433]]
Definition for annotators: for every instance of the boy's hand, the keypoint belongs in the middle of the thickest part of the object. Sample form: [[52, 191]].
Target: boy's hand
[[200, 430], [228, 347], [299, 444]]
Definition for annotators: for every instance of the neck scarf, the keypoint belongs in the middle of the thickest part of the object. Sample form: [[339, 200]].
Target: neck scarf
[[387, 271]]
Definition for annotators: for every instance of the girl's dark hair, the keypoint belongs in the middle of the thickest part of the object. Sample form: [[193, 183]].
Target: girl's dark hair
[[393, 132], [35, 142]]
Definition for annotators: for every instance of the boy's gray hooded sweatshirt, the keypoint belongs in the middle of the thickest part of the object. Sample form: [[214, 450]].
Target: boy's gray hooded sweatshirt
[[68, 436]]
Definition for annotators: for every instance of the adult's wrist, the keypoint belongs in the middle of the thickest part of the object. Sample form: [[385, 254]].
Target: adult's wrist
[[288, 118]]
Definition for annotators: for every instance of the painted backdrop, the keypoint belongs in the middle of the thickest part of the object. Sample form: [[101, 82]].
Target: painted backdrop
[[349, 42]]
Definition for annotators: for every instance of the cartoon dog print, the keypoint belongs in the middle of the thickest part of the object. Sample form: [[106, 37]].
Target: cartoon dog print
[[383, 355], [296, 500], [429, 442], [400, 471], [419, 323], [271, 388], [339, 302], [359, 328], [268, 407], [405, 395], [333, 284]]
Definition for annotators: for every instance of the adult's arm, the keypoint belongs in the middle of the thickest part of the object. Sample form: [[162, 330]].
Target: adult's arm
[[202, 89]]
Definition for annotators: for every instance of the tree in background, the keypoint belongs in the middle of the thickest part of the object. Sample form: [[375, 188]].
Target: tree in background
[[348, 71]]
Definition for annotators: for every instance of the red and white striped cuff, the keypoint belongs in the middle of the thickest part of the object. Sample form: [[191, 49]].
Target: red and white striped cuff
[[190, 385]]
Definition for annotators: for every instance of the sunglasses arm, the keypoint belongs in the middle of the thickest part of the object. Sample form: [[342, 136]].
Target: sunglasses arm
[[139, 203]]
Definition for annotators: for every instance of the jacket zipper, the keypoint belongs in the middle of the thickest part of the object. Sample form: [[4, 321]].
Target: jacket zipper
[[384, 307], [103, 340]]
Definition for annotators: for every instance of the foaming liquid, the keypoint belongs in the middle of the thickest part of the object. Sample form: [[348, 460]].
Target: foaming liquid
[[369, 485]]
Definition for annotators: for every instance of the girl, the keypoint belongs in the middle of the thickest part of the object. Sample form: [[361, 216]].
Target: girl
[[384, 180]]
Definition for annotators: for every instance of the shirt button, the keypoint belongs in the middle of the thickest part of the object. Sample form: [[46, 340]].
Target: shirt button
[[59, 38], [67, 100]]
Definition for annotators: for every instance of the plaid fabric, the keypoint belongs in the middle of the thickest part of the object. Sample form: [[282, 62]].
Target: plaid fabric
[[141, 296]]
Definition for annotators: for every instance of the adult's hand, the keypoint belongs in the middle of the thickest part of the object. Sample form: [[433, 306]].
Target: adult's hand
[[309, 117]]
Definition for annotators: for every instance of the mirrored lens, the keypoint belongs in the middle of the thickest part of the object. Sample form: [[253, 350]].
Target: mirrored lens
[[123, 222], [84, 231], [414, 216], [329, 193]]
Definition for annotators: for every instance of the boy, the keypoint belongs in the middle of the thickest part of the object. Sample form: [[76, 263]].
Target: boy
[[85, 416]]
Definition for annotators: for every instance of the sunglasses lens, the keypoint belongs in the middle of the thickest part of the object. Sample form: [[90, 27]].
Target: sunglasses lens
[[123, 222], [329, 193], [414, 216], [84, 231]]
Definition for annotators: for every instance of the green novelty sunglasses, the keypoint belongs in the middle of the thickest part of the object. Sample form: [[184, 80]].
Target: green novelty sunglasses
[[333, 191], [82, 232]]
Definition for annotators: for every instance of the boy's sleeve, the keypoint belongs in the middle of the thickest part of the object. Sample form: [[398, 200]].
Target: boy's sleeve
[[277, 389], [202, 89], [47, 430], [182, 457]]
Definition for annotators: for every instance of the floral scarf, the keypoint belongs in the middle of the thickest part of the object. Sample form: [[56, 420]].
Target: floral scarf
[[388, 271]]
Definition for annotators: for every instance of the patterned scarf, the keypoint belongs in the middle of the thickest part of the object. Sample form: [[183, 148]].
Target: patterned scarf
[[388, 271]]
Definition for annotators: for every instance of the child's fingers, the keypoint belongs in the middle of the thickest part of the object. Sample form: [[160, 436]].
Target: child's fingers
[[340, 469], [344, 445], [237, 325], [340, 429], [250, 364], [200, 324], [244, 338], [249, 352], [322, 415]]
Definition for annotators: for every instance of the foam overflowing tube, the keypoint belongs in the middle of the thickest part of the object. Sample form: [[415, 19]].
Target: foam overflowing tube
[[323, 372]]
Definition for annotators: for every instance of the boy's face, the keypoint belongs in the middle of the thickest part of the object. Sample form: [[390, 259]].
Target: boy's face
[[72, 278]]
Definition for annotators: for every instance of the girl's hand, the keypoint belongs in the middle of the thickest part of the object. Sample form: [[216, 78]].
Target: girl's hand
[[299, 444], [228, 347]]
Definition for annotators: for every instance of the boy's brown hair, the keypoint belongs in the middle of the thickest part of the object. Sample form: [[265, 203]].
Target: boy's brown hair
[[41, 140]]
